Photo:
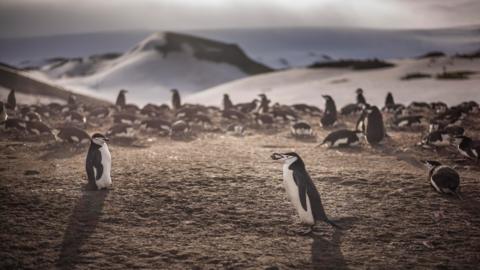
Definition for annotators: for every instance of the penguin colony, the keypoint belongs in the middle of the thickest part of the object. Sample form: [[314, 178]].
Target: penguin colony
[[68, 124]]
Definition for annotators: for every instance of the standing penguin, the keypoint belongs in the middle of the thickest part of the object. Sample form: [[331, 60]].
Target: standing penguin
[[443, 178], [301, 190], [227, 103], [11, 100], [3, 113], [330, 115], [264, 104], [389, 101], [121, 100], [99, 162], [371, 122], [360, 97], [176, 102]]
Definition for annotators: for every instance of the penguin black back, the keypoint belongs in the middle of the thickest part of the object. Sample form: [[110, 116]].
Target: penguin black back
[[176, 102], [121, 99], [11, 100], [375, 129]]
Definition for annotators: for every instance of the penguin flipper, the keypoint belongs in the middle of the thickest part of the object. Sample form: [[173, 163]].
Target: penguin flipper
[[98, 165], [302, 189]]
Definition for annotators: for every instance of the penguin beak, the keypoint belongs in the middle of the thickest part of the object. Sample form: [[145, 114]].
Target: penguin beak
[[276, 156]]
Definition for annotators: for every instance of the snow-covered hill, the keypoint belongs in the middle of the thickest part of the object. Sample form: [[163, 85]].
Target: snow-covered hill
[[307, 85], [154, 66]]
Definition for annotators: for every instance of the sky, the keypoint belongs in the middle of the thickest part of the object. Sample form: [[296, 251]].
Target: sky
[[23, 18]]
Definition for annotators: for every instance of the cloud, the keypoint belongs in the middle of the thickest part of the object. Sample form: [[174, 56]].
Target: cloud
[[35, 17]]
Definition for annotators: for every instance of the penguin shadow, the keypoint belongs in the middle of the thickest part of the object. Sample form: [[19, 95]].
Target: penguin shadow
[[81, 225], [326, 250], [62, 150]]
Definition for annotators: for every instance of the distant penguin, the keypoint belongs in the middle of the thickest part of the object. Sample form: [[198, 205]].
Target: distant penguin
[[360, 97], [37, 128], [407, 121], [227, 103], [121, 99], [374, 127], [156, 124], [330, 115], [3, 113], [468, 147], [343, 138], [301, 190], [11, 100], [389, 101], [176, 102], [264, 104], [351, 109], [99, 162], [72, 100], [121, 130], [179, 129], [32, 116], [235, 129], [264, 119], [443, 178], [73, 135], [436, 138], [100, 112], [301, 130]]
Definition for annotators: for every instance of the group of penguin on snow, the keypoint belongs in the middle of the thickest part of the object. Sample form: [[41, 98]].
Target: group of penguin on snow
[[444, 127]]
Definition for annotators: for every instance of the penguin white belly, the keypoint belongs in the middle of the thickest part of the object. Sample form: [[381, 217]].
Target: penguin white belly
[[291, 188], [340, 141], [105, 180], [435, 185]]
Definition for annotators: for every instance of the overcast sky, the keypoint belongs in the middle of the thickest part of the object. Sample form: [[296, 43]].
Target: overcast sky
[[46, 17]]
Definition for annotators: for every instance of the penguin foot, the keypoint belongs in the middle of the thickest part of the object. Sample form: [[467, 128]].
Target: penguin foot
[[309, 231]]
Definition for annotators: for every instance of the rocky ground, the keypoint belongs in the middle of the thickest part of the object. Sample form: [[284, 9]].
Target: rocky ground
[[218, 202]]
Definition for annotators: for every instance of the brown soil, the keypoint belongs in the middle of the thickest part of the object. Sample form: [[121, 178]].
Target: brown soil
[[218, 202]]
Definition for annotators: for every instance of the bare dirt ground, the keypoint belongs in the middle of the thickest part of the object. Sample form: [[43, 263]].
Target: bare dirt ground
[[218, 202]]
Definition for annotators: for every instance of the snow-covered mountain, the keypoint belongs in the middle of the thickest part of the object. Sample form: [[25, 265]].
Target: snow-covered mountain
[[157, 64], [308, 85]]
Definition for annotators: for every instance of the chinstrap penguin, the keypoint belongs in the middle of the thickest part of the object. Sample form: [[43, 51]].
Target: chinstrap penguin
[[99, 162]]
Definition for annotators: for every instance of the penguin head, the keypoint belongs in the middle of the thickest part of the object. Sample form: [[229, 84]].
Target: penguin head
[[123, 91], [430, 164], [359, 91], [288, 158], [99, 139], [174, 91], [327, 97]]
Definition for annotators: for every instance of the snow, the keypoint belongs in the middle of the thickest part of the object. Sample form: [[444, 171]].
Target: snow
[[23, 98], [307, 85]]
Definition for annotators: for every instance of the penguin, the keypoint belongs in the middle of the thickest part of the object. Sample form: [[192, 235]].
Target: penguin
[[179, 129], [125, 118], [407, 121], [374, 127], [301, 190], [73, 135], [436, 138], [150, 110], [120, 130], [264, 119], [284, 112], [234, 115], [247, 107], [443, 178], [156, 124], [264, 101], [72, 100], [360, 97], [389, 101], [343, 138], [75, 116], [301, 130], [468, 147], [131, 108], [37, 128], [11, 100], [3, 113], [227, 103], [15, 123], [98, 162], [305, 108], [330, 115], [351, 109], [121, 99], [100, 112], [32, 116], [176, 102]]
